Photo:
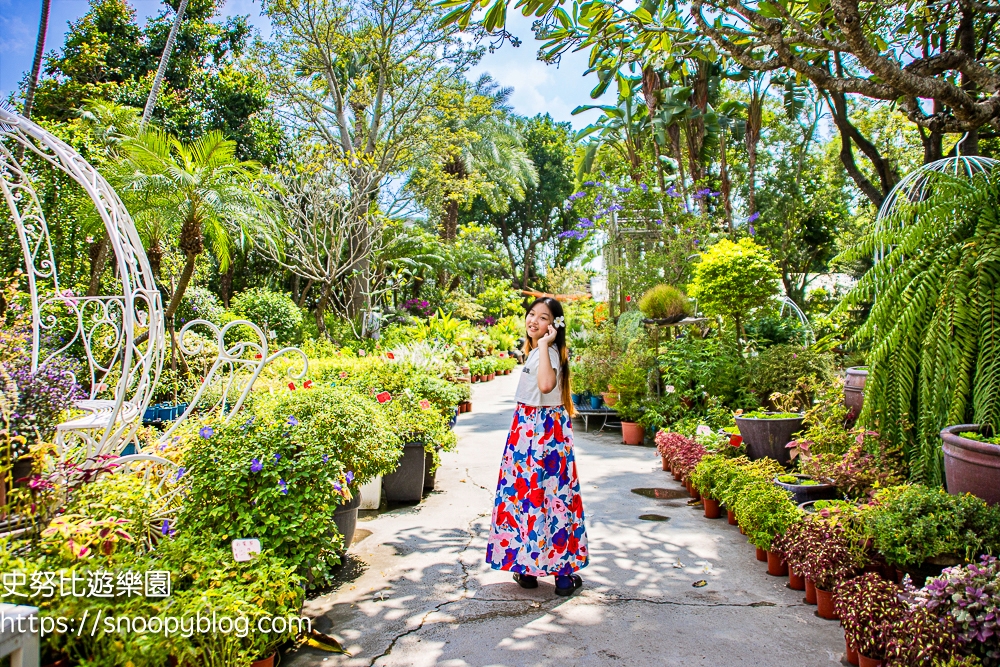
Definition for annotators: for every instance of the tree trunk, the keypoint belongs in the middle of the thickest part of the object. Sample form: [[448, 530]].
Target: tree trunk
[[320, 312], [226, 286], [449, 221], [36, 65], [182, 283], [161, 71], [754, 119], [724, 183], [98, 257]]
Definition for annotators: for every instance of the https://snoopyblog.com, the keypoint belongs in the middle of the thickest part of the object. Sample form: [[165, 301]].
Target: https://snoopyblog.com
[[18, 588]]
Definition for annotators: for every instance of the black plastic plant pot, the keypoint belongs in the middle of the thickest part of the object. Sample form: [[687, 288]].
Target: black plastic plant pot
[[429, 477], [766, 438], [803, 493], [346, 519], [406, 483]]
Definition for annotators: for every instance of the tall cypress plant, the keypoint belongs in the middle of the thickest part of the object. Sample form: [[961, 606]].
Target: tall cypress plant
[[933, 332]]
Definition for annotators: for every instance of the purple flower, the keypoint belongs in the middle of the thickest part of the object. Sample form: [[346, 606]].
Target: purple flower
[[180, 473], [326, 458], [753, 232], [589, 184], [598, 199], [645, 188], [614, 207], [206, 432], [753, 217], [292, 421], [337, 486], [277, 457], [697, 242], [349, 476], [672, 192], [256, 465], [165, 528], [577, 195], [623, 190], [584, 224], [283, 487], [659, 222]]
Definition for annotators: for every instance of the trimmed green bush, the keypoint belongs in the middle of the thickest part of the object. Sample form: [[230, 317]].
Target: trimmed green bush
[[665, 302], [271, 311]]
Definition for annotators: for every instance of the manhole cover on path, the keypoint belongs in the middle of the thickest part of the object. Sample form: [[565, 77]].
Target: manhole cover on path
[[661, 494], [654, 517]]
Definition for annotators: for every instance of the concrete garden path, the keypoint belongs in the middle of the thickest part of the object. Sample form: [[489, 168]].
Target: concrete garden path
[[421, 593]]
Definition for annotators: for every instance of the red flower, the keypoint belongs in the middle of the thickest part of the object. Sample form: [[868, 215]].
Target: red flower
[[628, 297], [390, 355], [424, 404], [383, 397], [257, 356], [291, 385], [307, 384]]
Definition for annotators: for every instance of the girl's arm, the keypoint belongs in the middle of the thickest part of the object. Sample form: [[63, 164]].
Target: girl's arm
[[546, 374]]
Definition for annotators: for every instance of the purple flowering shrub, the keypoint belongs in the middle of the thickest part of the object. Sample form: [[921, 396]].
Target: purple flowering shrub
[[970, 596]]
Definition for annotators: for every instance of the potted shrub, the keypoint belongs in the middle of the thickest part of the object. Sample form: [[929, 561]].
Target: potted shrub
[[921, 530], [632, 431], [972, 461], [767, 433], [765, 511], [826, 561], [966, 598], [416, 423], [922, 637], [804, 488], [868, 607], [705, 476], [788, 547], [664, 304]]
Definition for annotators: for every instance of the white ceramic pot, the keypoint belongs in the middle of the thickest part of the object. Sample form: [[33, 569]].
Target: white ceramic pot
[[371, 494]]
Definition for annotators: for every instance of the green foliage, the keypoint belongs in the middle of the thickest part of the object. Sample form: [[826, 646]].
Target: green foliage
[[710, 472], [271, 311], [692, 367], [413, 423], [773, 330], [932, 330], [913, 523], [277, 479], [664, 302], [764, 510], [199, 303], [733, 279], [347, 425], [498, 300], [779, 368]]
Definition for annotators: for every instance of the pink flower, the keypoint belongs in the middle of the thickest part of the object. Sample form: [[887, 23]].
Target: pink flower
[[424, 404]]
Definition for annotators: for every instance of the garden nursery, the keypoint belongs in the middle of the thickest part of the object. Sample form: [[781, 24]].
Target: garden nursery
[[256, 269]]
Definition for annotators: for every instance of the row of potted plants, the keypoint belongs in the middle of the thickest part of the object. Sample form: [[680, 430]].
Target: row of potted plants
[[848, 557], [484, 369]]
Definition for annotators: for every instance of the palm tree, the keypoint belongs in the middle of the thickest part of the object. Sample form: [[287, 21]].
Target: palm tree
[[36, 65], [482, 142], [198, 191]]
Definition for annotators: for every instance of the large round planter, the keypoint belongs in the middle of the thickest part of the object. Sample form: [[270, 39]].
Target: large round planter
[[854, 388], [766, 438], [971, 466], [775, 566], [824, 605], [346, 519], [632, 433], [803, 493], [851, 653], [795, 582], [406, 483], [865, 661], [761, 555], [731, 518], [810, 591], [264, 662], [371, 493], [712, 509]]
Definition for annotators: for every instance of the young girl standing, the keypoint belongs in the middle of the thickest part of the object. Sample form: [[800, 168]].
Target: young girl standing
[[538, 527]]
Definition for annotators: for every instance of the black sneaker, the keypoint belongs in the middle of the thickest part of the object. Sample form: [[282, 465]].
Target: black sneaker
[[575, 583], [526, 580]]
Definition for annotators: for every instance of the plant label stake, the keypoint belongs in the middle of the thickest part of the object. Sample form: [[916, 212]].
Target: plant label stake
[[244, 550]]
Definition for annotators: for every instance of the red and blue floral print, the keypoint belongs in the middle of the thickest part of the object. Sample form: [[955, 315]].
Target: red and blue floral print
[[538, 525]]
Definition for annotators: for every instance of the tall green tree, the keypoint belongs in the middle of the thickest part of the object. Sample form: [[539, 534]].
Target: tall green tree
[[529, 229], [198, 192]]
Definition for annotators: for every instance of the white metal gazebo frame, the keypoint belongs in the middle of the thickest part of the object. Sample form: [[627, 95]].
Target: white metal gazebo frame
[[110, 328]]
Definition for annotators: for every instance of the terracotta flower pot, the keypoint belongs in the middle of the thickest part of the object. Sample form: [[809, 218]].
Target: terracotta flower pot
[[761, 555], [865, 661], [810, 591], [666, 465], [468, 406], [852, 653], [264, 662], [775, 566], [693, 492], [795, 582], [712, 509], [677, 475], [731, 518], [632, 433], [824, 604]]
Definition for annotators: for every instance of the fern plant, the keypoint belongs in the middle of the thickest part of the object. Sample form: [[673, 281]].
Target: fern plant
[[934, 325]]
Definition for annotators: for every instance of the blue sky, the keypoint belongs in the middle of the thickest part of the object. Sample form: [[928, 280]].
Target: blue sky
[[538, 88]]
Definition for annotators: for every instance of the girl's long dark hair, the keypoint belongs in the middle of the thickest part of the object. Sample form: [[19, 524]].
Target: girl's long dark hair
[[557, 311]]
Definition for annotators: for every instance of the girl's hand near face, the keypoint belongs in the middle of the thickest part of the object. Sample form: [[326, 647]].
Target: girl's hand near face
[[549, 336]]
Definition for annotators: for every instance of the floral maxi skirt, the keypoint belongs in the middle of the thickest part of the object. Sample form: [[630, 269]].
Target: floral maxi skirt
[[538, 526]]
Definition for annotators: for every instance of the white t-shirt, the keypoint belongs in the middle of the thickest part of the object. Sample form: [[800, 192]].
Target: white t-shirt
[[527, 387]]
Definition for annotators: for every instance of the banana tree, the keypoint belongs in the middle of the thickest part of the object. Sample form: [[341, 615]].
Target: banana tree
[[622, 127]]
